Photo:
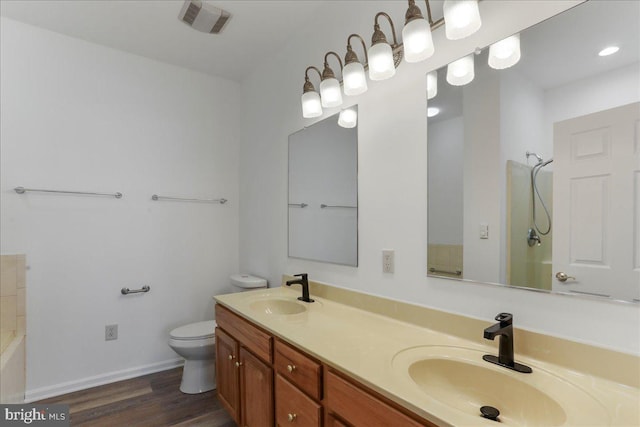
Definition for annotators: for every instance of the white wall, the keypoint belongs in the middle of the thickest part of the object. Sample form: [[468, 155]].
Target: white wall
[[78, 116], [483, 177], [392, 178], [445, 164], [590, 95]]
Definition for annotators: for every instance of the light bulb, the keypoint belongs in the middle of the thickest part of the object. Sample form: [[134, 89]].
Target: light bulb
[[311, 106], [461, 18], [432, 111], [354, 79], [505, 53], [608, 51], [348, 118], [461, 72], [330, 93], [381, 65], [417, 40], [432, 84]]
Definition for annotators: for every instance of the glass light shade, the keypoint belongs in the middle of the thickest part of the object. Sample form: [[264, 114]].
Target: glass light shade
[[348, 118], [311, 106], [461, 72], [330, 93], [432, 84], [354, 79], [417, 40], [461, 18], [381, 66], [505, 53]]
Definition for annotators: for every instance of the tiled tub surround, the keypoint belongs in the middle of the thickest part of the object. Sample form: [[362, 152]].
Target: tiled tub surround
[[12, 328], [360, 335]]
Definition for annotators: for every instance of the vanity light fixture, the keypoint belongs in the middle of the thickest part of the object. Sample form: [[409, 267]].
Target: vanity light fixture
[[381, 63], [608, 51], [416, 34], [353, 76], [330, 92], [505, 53], [461, 72], [311, 106], [461, 18], [348, 118], [432, 111], [432, 85]]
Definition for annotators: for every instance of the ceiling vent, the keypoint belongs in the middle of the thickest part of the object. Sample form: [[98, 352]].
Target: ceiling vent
[[203, 17]]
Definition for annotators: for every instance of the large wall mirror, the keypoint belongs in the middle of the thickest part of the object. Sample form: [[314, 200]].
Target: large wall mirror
[[323, 193], [534, 170]]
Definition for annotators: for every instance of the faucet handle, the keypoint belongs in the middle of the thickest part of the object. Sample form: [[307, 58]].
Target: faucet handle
[[505, 319], [303, 275]]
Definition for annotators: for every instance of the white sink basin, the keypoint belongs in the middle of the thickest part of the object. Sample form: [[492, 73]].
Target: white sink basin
[[459, 379], [278, 306]]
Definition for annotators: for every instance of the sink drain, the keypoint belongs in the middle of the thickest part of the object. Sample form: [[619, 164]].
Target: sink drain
[[490, 413]]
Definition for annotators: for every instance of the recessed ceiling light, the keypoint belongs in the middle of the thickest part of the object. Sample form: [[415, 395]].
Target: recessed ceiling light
[[432, 111], [608, 51]]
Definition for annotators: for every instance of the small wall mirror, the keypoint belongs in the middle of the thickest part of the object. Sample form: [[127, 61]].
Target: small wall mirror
[[323, 193], [534, 170]]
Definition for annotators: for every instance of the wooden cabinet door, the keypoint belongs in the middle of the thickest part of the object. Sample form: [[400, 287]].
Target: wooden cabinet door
[[361, 409], [256, 391], [334, 422], [294, 408], [228, 379]]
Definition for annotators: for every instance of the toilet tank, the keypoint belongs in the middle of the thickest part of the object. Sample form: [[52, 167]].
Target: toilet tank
[[247, 282]]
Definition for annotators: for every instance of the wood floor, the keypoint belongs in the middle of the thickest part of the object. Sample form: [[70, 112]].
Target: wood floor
[[152, 400]]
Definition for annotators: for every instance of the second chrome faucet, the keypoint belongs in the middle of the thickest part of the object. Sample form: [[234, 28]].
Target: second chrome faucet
[[504, 330], [304, 282]]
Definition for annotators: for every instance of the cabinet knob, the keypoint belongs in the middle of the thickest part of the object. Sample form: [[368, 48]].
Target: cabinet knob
[[231, 357], [238, 364], [291, 417], [291, 368]]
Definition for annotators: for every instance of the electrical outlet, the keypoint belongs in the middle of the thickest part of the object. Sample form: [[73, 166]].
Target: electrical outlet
[[111, 332], [388, 260]]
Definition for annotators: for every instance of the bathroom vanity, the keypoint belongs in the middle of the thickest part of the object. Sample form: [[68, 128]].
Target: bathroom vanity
[[282, 362]]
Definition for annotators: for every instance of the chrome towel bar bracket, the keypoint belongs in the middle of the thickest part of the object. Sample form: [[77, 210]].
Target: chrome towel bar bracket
[[127, 291]]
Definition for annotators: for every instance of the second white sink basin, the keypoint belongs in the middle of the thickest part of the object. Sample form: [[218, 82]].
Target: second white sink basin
[[459, 379]]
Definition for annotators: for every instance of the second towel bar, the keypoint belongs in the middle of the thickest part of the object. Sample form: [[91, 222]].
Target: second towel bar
[[182, 199]]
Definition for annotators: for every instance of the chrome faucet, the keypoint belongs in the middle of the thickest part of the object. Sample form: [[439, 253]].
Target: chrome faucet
[[305, 286], [504, 329]]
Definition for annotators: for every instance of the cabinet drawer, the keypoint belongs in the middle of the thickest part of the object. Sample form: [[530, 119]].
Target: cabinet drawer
[[359, 408], [254, 339], [299, 369], [294, 408]]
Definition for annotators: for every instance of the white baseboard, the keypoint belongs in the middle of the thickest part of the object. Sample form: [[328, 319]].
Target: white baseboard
[[85, 383]]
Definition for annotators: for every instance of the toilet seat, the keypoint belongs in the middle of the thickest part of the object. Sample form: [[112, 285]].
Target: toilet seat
[[194, 331]]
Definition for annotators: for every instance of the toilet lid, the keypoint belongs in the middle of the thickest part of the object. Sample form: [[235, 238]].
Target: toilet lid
[[194, 331]]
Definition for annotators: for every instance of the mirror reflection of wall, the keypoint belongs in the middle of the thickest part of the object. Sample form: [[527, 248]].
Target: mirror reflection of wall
[[323, 193], [503, 206]]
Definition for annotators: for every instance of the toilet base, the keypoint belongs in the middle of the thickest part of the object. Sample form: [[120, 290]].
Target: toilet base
[[198, 376]]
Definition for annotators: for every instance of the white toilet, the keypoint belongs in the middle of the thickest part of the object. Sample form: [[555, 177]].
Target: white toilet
[[196, 342]]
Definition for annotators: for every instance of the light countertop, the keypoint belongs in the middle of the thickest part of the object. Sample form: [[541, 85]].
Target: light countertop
[[371, 348]]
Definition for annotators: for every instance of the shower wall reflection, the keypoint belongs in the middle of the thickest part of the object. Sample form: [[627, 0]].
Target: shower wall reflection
[[529, 242]]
